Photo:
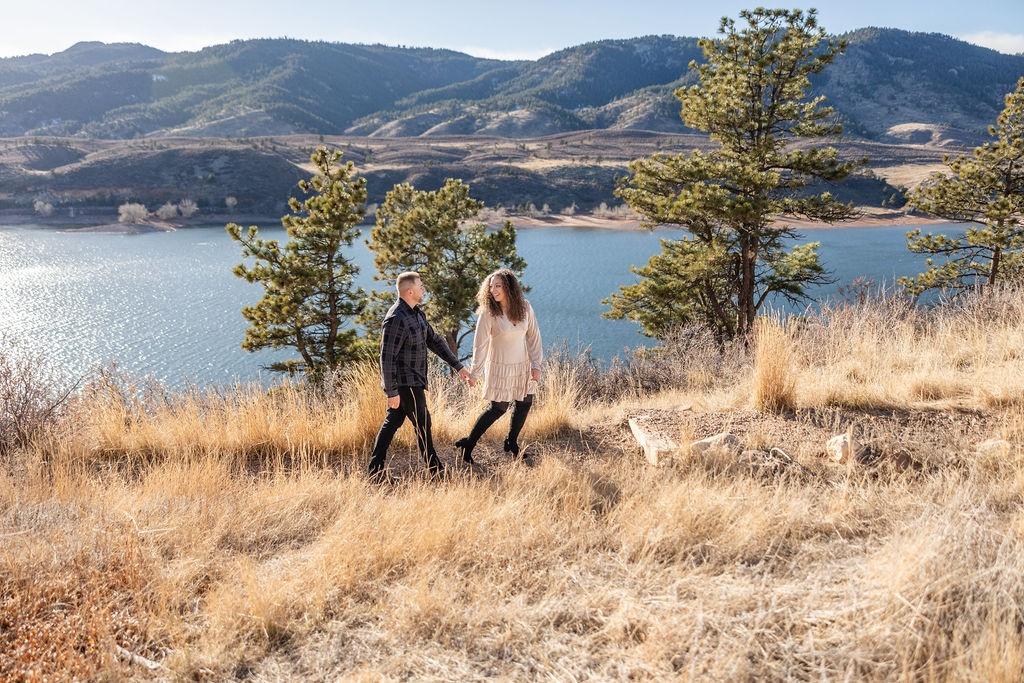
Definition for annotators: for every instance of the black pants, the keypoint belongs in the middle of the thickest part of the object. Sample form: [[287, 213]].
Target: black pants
[[414, 407], [520, 409]]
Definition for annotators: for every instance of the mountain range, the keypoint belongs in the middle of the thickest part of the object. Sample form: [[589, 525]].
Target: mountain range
[[890, 85]]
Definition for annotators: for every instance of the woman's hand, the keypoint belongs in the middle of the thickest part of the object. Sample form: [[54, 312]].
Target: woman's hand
[[535, 374]]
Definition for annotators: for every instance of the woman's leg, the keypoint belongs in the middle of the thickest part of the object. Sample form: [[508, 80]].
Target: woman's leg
[[483, 423], [519, 413]]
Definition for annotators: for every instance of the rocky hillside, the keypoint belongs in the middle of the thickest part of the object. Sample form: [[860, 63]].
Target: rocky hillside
[[891, 85]]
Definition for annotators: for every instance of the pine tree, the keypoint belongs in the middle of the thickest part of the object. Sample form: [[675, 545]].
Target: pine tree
[[751, 99], [432, 233], [987, 189], [309, 297]]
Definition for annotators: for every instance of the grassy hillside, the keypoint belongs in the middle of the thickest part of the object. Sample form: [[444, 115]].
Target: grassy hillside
[[232, 535], [888, 78], [296, 86]]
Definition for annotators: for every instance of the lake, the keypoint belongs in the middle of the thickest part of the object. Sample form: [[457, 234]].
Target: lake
[[166, 305]]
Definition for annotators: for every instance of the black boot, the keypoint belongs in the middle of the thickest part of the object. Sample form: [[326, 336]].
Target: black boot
[[465, 447], [486, 419], [512, 448], [519, 412]]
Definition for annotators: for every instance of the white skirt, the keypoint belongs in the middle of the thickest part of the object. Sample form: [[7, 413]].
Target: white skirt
[[508, 381]]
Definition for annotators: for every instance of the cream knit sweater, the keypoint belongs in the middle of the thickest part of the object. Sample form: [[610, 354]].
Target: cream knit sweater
[[504, 353]]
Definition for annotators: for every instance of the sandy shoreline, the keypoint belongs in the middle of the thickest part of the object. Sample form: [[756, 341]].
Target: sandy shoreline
[[870, 217]]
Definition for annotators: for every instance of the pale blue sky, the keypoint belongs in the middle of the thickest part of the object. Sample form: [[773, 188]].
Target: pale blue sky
[[502, 29]]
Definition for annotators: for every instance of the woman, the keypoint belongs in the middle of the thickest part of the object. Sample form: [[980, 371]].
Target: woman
[[507, 353]]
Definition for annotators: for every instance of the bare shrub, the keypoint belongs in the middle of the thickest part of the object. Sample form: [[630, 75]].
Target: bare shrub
[[230, 203], [167, 212], [569, 210], [621, 211], [492, 214], [131, 212], [42, 208], [689, 358], [32, 397], [188, 208]]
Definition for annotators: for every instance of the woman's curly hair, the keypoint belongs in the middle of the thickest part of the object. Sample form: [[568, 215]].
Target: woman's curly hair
[[515, 304]]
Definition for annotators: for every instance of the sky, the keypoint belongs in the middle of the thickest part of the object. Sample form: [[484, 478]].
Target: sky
[[503, 29]]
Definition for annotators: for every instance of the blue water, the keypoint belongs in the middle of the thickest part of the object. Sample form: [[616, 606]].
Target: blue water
[[166, 305]]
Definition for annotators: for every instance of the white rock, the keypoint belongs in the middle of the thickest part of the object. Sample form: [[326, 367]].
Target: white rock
[[839, 448], [656, 447], [994, 448], [725, 442]]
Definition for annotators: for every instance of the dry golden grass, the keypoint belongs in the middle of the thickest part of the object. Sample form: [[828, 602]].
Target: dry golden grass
[[774, 371], [909, 175], [232, 535], [964, 355]]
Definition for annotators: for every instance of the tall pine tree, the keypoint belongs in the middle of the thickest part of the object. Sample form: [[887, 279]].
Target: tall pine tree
[[751, 100], [433, 233], [309, 297], [987, 189]]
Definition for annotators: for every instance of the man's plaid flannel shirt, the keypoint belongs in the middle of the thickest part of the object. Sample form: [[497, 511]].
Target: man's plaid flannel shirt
[[406, 336]]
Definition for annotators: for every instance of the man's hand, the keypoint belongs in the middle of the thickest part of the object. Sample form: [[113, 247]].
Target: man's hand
[[394, 402], [466, 377], [535, 374]]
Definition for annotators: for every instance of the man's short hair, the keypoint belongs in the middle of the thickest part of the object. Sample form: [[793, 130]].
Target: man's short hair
[[406, 280]]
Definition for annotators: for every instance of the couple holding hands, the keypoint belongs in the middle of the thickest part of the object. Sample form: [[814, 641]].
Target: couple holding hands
[[507, 356]]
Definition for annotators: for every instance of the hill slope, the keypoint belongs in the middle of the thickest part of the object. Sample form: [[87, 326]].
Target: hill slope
[[890, 85]]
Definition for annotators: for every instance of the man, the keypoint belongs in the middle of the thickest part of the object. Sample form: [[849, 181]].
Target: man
[[406, 336]]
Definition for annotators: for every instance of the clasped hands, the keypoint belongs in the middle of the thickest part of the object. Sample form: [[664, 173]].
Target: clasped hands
[[469, 379], [395, 401]]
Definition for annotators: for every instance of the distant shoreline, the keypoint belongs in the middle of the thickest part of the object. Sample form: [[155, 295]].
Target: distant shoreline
[[871, 217], [103, 224]]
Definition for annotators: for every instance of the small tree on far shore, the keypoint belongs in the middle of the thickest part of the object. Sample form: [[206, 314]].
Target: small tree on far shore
[[310, 298], [985, 188], [167, 212], [230, 203], [188, 208], [132, 212], [42, 208]]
